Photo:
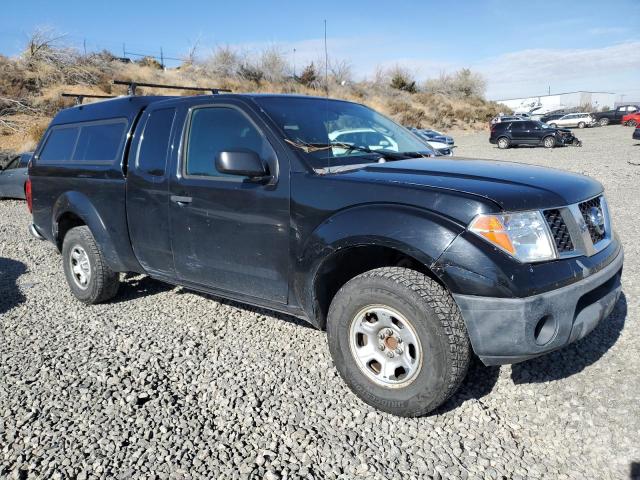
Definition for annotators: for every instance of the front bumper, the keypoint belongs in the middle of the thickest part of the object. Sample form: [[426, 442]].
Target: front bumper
[[511, 330]]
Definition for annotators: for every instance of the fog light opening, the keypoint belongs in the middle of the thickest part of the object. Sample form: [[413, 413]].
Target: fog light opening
[[545, 330]]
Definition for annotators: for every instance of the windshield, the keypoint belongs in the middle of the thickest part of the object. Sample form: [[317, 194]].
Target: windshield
[[333, 133]]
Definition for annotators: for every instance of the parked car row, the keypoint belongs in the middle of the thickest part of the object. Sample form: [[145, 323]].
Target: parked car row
[[441, 143]]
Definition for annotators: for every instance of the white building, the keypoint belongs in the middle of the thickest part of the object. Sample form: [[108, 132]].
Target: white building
[[592, 100]]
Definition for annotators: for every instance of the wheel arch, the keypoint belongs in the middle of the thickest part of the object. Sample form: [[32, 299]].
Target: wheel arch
[[74, 209], [343, 247]]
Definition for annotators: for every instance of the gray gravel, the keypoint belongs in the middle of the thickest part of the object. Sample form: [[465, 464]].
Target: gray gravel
[[165, 383]]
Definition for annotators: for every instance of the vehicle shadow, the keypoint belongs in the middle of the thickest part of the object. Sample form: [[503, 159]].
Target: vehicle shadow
[[576, 357], [10, 271], [134, 286], [250, 308], [478, 383]]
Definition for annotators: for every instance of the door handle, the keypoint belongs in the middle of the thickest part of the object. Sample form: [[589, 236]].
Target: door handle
[[182, 201]]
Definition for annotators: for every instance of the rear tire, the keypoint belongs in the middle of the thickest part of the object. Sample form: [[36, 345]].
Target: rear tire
[[90, 279], [419, 344], [549, 141], [603, 122], [503, 143]]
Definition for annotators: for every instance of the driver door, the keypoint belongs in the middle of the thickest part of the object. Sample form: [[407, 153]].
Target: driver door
[[229, 233]]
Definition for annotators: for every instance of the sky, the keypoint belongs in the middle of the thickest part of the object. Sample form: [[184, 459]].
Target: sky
[[522, 48]]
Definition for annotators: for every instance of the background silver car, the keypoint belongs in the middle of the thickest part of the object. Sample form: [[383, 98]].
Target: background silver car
[[13, 175]]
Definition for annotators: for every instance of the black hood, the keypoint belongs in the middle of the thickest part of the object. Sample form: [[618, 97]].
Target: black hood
[[512, 186]]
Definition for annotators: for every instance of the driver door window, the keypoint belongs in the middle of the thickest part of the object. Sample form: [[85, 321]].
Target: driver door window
[[220, 129]]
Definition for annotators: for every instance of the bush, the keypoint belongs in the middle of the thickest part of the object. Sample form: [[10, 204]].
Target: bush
[[225, 62], [273, 65], [309, 76], [402, 79], [150, 62], [462, 84]]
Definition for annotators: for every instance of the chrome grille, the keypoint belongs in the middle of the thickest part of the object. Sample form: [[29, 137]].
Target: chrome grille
[[586, 209], [559, 230]]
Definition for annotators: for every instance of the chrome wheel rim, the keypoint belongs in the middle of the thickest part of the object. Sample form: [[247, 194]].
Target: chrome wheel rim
[[502, 143], [80, 266], [385, 346], [549, 142]]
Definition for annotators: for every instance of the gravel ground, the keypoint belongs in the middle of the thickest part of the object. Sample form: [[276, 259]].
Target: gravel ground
[[165, 383]]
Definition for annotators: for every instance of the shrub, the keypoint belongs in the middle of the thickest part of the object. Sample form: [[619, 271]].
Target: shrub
[[150, 62], [462, 84], [225, 62], [309, 76], [402, 79], [273, 65]]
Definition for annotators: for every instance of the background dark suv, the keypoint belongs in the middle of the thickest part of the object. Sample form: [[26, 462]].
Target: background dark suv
[[528, 132]]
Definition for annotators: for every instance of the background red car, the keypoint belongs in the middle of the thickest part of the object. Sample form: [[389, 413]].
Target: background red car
[[631, 119]]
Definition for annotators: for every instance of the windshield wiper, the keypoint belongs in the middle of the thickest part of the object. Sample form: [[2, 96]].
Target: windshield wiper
[[390, 154]]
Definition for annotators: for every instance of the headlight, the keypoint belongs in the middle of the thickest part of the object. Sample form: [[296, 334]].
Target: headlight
[[523, 235]]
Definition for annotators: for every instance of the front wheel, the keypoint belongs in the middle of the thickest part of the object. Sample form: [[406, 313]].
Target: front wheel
[[90, 279], [632, 123], [503, 142], [398, 340], [581, 125], [549, 142], [603, 122]]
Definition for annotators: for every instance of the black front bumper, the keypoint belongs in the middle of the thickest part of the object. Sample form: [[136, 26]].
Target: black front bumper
[[511, 330]]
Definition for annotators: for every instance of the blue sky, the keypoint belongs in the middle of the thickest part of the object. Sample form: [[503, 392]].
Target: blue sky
[[522, 48]]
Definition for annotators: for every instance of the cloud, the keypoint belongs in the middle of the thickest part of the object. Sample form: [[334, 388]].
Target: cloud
[[607, 30], [527, 72]]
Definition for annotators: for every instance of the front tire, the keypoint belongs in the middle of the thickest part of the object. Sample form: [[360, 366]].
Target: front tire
[[581, 125], [632, 123], [549, 142], [90, 279], [503, 143], [398, 340]]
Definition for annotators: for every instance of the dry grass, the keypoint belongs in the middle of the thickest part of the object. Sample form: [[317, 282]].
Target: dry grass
[[31, 84]]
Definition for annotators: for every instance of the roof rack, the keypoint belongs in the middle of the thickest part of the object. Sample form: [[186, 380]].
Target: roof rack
[[131, 87], [81, 96]]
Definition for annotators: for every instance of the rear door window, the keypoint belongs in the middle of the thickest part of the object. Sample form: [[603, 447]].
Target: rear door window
[[100, 142], [154, 145], [60, 144]]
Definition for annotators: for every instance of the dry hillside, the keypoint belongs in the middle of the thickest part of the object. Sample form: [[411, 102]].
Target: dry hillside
[[31, 84]]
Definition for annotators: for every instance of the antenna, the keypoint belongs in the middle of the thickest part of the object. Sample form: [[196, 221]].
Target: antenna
[[326, 61], [326, 89]]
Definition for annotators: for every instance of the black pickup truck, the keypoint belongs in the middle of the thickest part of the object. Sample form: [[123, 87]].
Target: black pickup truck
[[409, 261], [611, 117]]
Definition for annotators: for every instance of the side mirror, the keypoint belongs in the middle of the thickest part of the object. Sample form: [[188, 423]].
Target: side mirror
[[246, 164]]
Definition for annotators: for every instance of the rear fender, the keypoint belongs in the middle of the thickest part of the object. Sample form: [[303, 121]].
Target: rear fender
[[79, 204]]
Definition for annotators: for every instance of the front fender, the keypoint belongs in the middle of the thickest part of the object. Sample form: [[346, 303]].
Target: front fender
[[80, 205], [418, 233]]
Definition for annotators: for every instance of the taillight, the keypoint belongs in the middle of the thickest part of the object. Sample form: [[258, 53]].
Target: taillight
[[27, 192]]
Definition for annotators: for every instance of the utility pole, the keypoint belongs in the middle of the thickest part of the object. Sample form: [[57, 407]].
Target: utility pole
[[124, 51], [84, 46], [161, 59], [549, 90]]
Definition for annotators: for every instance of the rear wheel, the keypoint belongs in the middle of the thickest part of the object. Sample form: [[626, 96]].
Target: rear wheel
[[632, 123], [549, 141], [603, 122], [503, 142], [398, 340], [90, 279]]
